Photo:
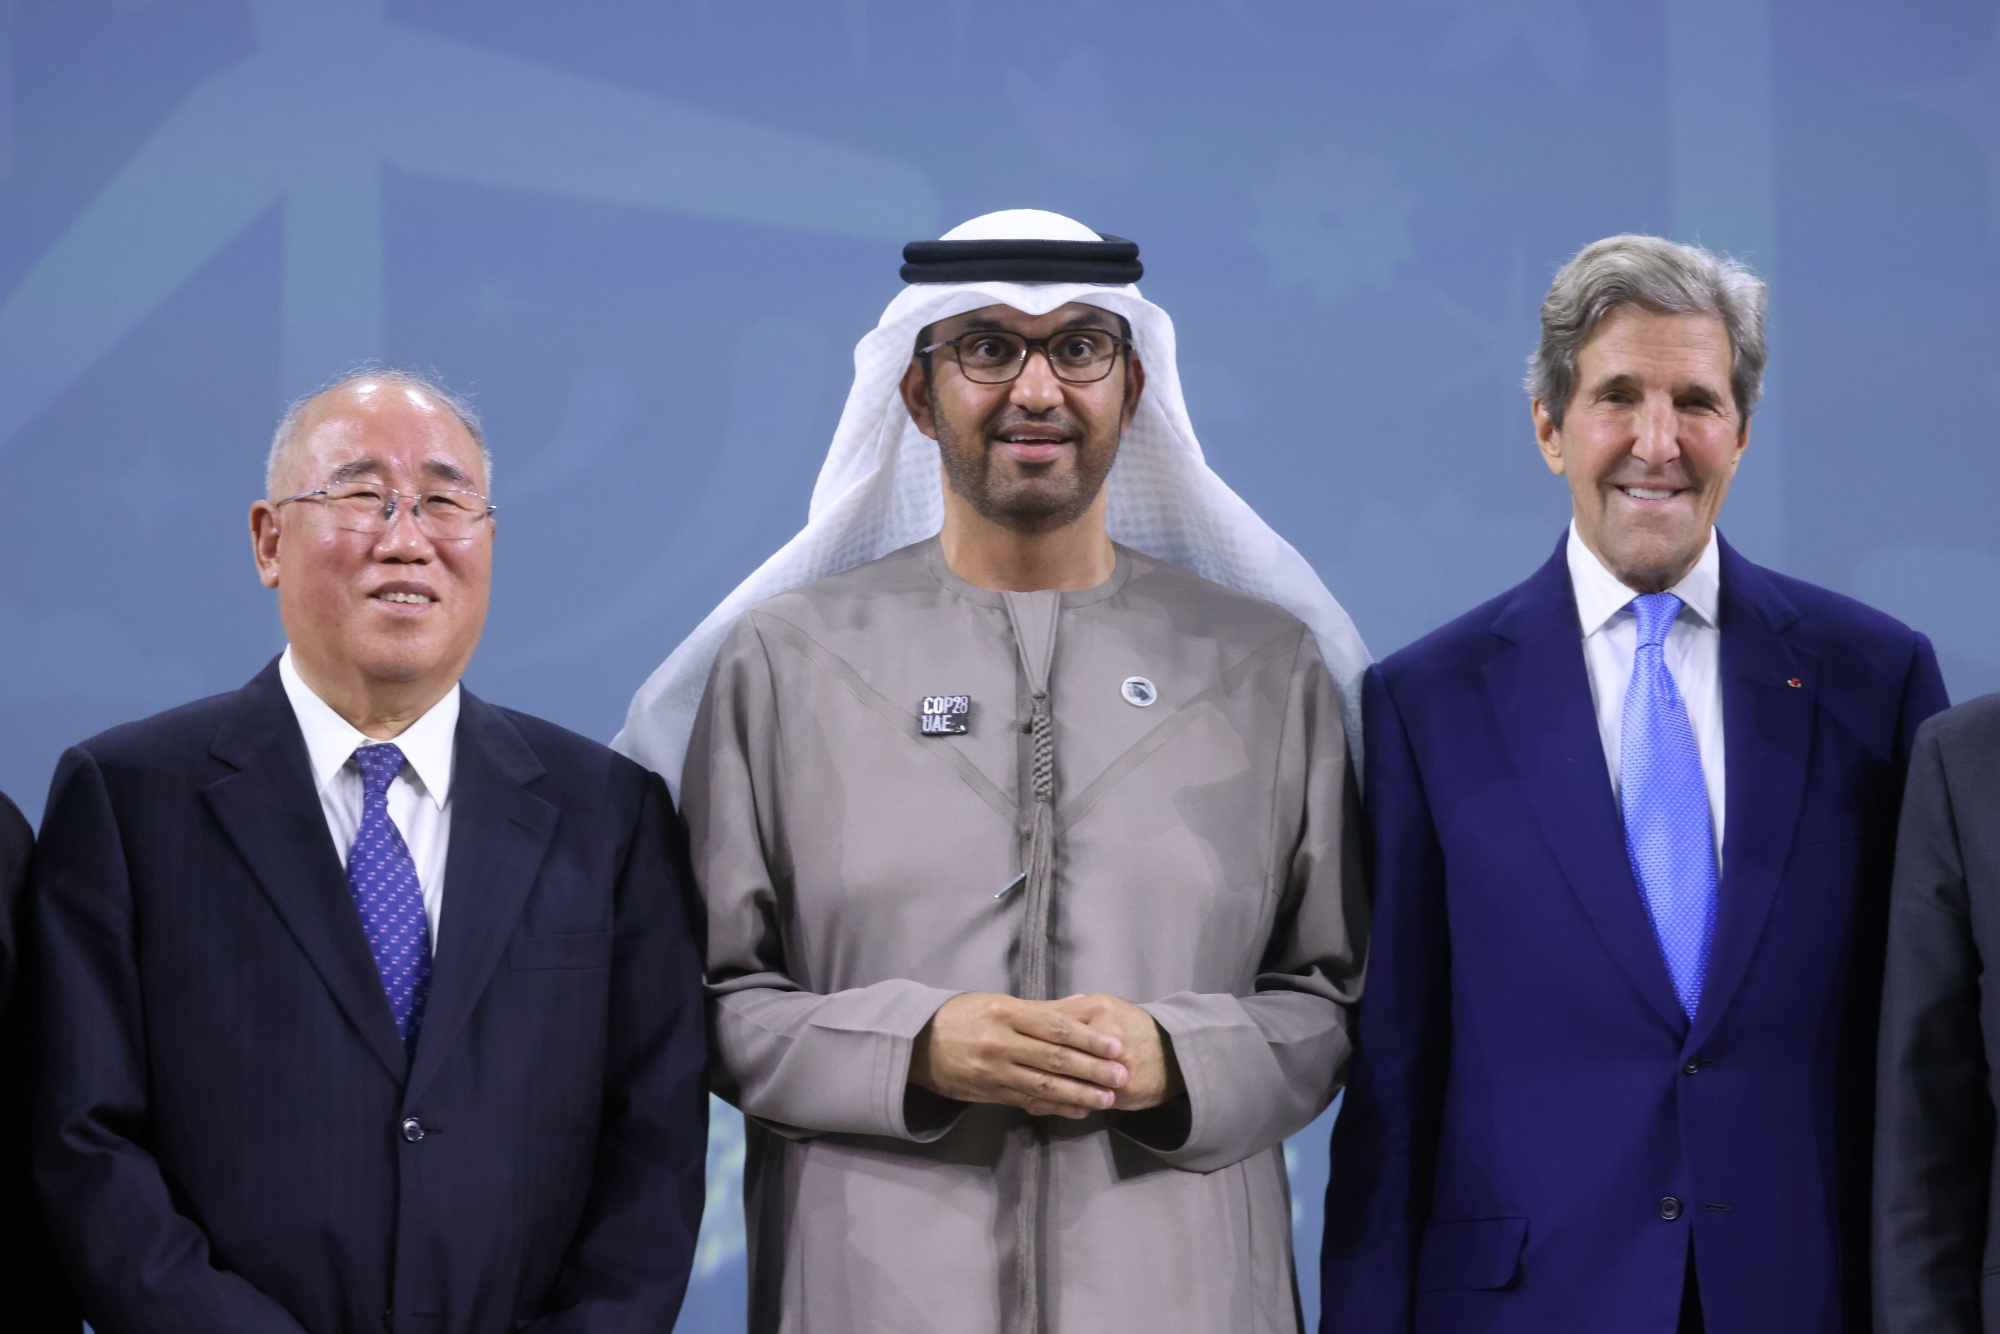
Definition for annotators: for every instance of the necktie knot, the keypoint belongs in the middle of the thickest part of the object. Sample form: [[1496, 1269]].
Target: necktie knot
[[1655, 612], [379, 765]]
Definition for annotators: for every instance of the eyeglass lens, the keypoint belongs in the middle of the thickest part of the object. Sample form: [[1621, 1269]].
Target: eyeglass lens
[[996, 356], [365, 508]]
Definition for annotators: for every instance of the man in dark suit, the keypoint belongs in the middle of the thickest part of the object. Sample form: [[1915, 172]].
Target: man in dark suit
[[1631, 826], [31, 1294], [1937, 1253], [366, 1004]]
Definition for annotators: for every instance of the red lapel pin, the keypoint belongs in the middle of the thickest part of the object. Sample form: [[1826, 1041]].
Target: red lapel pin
[[1794, 682]]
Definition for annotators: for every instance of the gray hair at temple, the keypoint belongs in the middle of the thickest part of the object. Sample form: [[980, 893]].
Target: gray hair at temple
[[287, 433], [1654, 274]]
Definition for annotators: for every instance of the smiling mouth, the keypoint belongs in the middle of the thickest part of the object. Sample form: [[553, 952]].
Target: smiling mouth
[[1649, 492], [417, 598], [1032, 448]]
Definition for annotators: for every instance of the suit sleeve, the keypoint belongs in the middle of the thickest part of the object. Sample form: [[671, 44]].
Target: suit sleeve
[[31, 1289], [801, 1062], [1259, 1067], [628, 1268], [1934, 1119], [139, 1261], [1385, 1140]]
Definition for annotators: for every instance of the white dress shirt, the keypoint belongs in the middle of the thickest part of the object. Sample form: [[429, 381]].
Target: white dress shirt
[[1693, 650], [419, 795]]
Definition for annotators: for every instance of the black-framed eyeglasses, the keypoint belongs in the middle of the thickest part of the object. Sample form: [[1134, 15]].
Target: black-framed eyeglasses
[[370, 507], [996, 356]]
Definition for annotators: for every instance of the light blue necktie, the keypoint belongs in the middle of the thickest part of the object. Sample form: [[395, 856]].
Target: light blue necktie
[[383, 878], [1669, 833]]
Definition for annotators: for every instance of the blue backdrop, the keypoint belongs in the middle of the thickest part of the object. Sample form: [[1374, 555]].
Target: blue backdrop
[[645, 235]]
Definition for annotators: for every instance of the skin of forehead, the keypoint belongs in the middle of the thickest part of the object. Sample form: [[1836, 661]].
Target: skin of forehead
[[1076, 314], [351, 410]]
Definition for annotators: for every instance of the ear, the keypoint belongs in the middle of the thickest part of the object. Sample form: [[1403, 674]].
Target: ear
[[1548, 436], [1135, 384], [1742, 443], [916, 391], [264, 541]]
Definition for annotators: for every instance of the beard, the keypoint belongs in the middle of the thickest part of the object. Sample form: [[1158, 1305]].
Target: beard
[[1038, 501]]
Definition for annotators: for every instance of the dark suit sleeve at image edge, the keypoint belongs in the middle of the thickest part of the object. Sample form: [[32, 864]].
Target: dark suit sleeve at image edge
[[1384, 1141], [629, 1265], [140, 1263], [1934, 1121], [31, 1291]]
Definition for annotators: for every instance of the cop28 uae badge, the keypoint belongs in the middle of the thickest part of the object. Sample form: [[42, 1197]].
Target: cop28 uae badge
[[945, 715]]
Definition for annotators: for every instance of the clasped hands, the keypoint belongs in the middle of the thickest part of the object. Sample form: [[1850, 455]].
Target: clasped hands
[[1070, 1057]]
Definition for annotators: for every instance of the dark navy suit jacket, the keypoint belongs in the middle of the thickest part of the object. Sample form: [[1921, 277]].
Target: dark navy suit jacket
[[230, 1137], [1534, 1133], [32, 1299]]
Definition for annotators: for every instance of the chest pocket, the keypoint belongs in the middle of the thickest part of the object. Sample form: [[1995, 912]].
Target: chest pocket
[[583, 949]]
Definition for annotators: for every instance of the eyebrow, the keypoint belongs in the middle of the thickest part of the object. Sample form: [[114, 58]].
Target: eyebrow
[[1083, 319], [348, 472], [1631, 382], [362, 468]]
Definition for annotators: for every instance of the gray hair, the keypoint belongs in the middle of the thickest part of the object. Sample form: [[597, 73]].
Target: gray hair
[[1657, 275], [287, 434]]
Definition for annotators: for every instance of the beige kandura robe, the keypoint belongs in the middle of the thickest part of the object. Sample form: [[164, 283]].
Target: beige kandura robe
[[1202, 865]]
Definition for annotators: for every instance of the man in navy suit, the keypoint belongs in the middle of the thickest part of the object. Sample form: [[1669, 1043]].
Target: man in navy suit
[[366, 1004], [1631, 829]]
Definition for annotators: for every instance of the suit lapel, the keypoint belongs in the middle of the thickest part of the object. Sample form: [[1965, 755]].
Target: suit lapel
[[500, 832], [1767, 729], [1540, 691], [270, 810]]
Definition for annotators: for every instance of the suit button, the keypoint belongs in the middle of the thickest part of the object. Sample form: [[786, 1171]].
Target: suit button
[[1670, 1208], [413, 1129], [1693, 1067]]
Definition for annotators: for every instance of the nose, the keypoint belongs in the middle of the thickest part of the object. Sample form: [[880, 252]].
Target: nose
[[401, 541], [1657, 439], [1036, 389]]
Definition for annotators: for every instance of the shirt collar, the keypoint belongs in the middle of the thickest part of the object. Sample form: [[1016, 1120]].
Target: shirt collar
[[427, 743], [1600, 595]]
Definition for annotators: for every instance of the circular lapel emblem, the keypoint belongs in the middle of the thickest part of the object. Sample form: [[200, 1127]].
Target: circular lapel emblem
[[1138, 690]]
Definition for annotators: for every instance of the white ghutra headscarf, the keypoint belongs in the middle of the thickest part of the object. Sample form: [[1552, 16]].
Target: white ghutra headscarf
[[880, 490]]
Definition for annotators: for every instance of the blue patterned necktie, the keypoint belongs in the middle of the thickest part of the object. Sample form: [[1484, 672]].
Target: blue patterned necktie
[[383, 878], [1669, 832]]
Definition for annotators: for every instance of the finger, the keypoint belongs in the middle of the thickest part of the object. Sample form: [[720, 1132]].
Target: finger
[[1072, 1063], [1052, 1025], [1026, 1086]]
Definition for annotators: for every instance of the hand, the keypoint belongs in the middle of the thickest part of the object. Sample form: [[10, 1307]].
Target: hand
[[982, 1047], [1153, 1075]]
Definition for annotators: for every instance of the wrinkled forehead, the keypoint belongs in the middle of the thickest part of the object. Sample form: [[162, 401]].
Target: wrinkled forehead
[[388, 432]]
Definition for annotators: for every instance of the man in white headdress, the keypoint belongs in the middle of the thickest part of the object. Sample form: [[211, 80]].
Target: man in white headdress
[[1022, 808]]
